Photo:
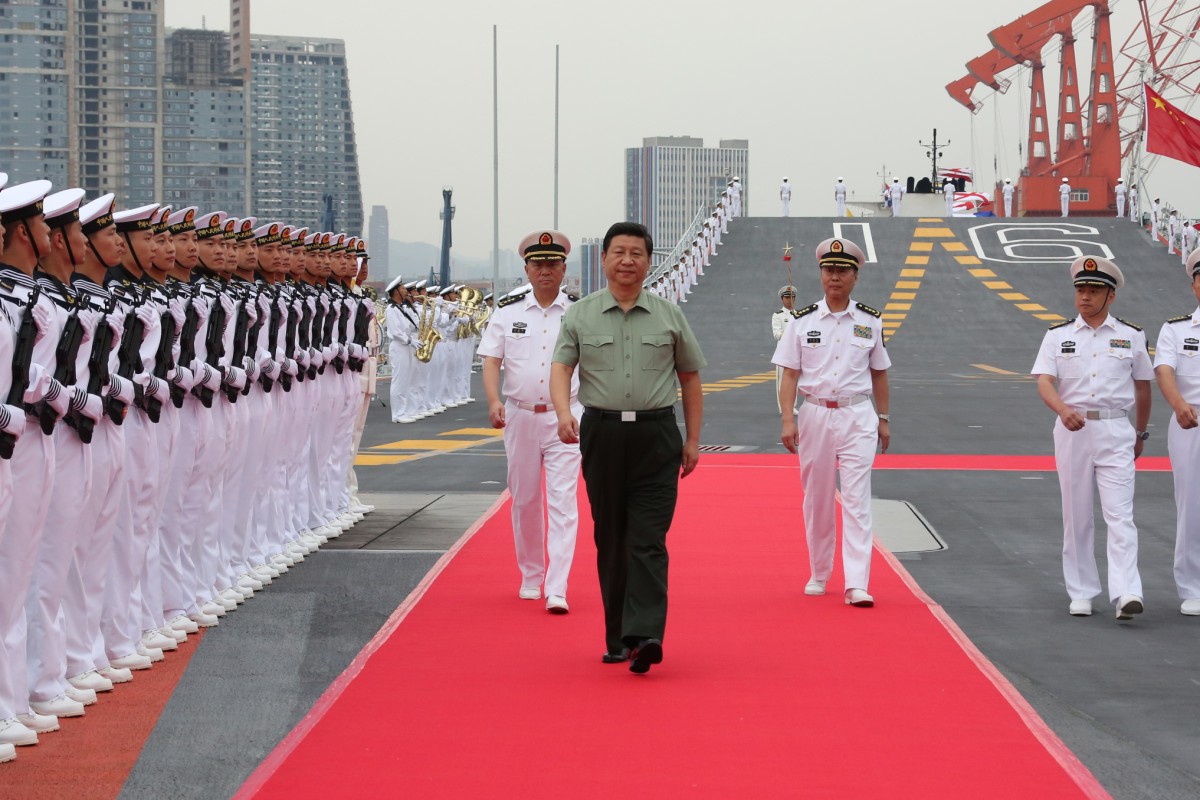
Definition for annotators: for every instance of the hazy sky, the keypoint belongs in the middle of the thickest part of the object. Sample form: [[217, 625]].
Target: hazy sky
[[819, 90]]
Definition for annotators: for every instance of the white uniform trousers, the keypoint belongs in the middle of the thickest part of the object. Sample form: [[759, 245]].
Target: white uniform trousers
[[833, 441], [1120, 206], [532, 445], [360, 424], [253, 485], [7, 707], [1008, 206], [164, 544], [400, 388], [301, 441], [319, 438], [179, 531], [88, 580], [234, 525], [46, 651], [841, 207], [1064, 203], [32, 467], [1104, 449], [223, 421], [350, 386], [949, 193], [1184, 449]]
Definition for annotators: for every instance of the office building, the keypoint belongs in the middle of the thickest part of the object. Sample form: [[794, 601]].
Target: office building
[[669, 178], [377, 242]]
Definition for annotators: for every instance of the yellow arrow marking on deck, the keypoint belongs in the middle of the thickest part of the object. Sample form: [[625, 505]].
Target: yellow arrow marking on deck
[[1005, 291], [997, 370], [385, 454]]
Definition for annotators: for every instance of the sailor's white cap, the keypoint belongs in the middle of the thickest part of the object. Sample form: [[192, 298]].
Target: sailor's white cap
[[299, 237], [23, 200], [1120, 180], [1006, 180], [3, 179], [62, 208], [785, 177], [312, 239], [210, 224], [269, 233], [544, 246], [396, 282], [245, 228], [448, 290], [182, 221], [159, 218], [411, 285], [895, 180], [839, 179], [421, 284], [1096, 271], [1193, 263], [136, 219], [1064, 180], [97, 215]]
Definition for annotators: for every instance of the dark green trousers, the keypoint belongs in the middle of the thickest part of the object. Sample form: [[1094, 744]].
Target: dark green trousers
[[631, 470]]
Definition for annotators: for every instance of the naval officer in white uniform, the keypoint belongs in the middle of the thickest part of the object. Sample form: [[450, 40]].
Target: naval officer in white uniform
[[1092, 371], [839, 197], [785, 197], [833, 355], [896, 194], [1064, 197], [521, 336], [1008, 197], [1177, 368], [1120, 191]]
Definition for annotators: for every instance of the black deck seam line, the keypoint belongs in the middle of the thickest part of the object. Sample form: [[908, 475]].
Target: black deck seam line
[[401, 522]]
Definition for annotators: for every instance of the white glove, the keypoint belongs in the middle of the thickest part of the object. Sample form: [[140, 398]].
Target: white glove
[[270, 369], [87, 404], [251, 313], [290, 366], [228, 304], [357, 351], [315, 357], [43, 318], [206, 376], [87, 320], [58, 397], [149, 315], [153, 386], [369, 307], [12, 420], [203, 307], [116, 323], [251, 368], [235, 377], [329, 352], [303, 358], [263, 357], [177, 308], [120, 389]]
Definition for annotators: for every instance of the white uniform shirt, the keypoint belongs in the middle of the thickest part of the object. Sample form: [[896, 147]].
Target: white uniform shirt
[[839, 192], [897, 192], [1064, 191], [785, 191], [1179, 348], [523, 334], [1008, 191], [779, 321], [1120, 190], [1095, 368], [835, 352]]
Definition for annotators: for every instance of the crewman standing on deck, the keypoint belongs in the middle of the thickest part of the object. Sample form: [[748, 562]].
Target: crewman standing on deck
[[1008, 197], [839, 197], [1064, 197], [1120, 191], [785, 197]]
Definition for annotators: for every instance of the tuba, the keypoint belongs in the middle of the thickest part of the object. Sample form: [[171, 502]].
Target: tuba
[[427, 335]]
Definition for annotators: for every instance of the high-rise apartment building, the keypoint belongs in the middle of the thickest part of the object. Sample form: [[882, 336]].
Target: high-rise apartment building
[[205, 146], [303, 153], [669, 178], [377, 242], [35, 50]]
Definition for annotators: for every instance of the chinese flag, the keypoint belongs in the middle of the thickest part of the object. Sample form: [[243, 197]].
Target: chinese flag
[[1170, 132]]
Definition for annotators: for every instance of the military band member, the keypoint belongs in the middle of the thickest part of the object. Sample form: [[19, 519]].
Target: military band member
[[522, 341], [1092, 371], [835, 367]]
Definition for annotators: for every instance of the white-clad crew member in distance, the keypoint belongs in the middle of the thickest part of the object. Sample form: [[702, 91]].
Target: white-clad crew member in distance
[[521, 336], [1064, 196], [1120, 191], [839, 197], [1133, 204], [896, 193], [834, 356], [1008, 197], [779, 321], [785, 197], [1091, 371], [1177, 368], [948, 189]]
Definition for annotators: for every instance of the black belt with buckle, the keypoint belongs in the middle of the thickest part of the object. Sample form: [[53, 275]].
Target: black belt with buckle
[[630, 416]]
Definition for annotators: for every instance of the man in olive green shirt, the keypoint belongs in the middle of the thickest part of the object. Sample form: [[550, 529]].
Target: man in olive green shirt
[[630, 345]]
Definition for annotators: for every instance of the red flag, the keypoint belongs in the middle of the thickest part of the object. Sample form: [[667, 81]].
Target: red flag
[[1170, 132]]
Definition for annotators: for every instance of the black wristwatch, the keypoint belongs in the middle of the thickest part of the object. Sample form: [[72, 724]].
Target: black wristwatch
[[1143, 435]]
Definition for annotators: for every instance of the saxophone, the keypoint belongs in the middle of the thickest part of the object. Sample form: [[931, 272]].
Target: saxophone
[[427, 335]]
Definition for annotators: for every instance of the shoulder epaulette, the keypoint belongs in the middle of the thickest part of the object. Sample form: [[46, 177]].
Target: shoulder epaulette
[[1057, 325], [574, 298], [867, 309], [512, 298], [800, 312], [1184, 318], [1130, 324]]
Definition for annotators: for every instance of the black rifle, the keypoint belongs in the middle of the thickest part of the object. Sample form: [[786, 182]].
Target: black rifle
[[64, 369], [22, 359], [305, 332], [273, 343], [187, 348], [98, 376], [239, 346], [252, 295], [214, 348], [128, 359], [163, 364], [362, 331], [318, 335], [342, 321]]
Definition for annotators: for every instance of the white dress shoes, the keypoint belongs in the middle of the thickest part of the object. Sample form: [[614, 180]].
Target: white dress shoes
[[116, 674], [130, 662], [39, 723], [91, 680], [1190, 607], [203, 620], [814, 587], [179, 636], [533, 593], [7, 753], [13, 733], [213, 609], [182, 623], [155, 640], [61, 706], [858, 597], [1081, 608], [1128, 605], [85, 697], [557, 604]]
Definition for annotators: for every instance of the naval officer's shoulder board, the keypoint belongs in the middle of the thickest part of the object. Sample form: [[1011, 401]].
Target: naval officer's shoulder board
[[512, 298], [866, 309], [574, 298], [1183, 318], [1130, 324], [802, 312], [1058, 325]]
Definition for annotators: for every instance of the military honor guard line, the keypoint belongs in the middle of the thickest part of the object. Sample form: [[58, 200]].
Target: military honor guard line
[[178, 425]]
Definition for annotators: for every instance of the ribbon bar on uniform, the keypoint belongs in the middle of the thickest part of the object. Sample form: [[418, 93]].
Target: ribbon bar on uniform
[[836, 402]]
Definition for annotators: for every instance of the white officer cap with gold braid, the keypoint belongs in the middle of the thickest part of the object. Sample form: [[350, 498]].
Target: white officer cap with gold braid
[[1193, 264], [545, 246], [1095, 271], [837, 252]]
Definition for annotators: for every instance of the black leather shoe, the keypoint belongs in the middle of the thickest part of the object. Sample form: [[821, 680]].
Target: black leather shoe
[[617, 657], [647, 652]]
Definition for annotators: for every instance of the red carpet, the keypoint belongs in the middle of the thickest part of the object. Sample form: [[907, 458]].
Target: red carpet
[[764, 692], [91, 756]]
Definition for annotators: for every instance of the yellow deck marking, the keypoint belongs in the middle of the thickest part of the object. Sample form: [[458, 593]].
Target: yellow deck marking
[[933, 233], [895, 316], [898, 307], [997, 370], [982, 272], [954, 247], [912, 273], [1050, 317], [997, 284], [367, 460], [1031, 307], [427, 444], [930, 219], [904, 295], [966, 260], [921, 247], [496, 432], [1013, 296], [917, 260]]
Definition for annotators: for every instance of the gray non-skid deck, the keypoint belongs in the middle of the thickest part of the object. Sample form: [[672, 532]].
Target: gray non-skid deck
[[1125, 698]]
